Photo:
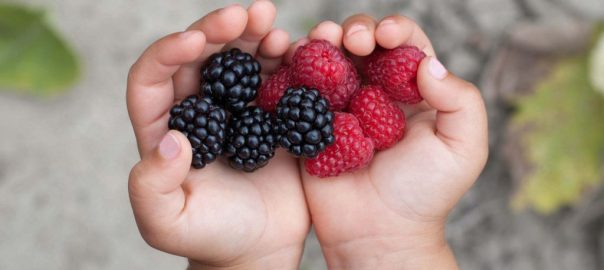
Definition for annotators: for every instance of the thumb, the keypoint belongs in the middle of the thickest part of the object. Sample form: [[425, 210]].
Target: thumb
[[155, 183], [461, 120]]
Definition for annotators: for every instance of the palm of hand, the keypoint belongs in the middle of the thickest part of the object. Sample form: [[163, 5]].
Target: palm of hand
[[408, 185], [242, 213]]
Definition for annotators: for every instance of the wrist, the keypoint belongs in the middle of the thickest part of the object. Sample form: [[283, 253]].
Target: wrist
[[284, 259], [424, 249]]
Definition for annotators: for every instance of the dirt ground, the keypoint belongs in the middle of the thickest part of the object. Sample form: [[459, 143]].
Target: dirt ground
[[64, 161]]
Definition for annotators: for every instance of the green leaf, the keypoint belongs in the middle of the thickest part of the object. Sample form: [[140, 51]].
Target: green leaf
[[33, 58], [565, 138]]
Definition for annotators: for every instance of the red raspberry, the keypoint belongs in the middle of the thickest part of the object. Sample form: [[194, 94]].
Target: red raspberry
[[396, 71], [273, 88], [323, 66], [351, 151], [380, 118]]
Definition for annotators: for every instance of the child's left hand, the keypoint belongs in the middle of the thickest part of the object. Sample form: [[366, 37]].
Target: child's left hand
[[392, 214]]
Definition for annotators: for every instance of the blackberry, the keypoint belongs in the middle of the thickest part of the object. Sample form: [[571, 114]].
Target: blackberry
[[304, 122], [204, 124], [231, 78], [250, 139]]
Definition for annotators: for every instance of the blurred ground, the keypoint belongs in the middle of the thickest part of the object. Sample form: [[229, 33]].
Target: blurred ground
[[64, 162]]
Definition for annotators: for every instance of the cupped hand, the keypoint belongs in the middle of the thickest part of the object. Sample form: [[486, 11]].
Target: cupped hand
[[391, 215], [217, 217]]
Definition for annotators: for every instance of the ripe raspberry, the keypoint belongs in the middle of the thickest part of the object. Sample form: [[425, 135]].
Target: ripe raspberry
[[272, 89], [351, 151], [380, 118], [324, 67], [396, 71]]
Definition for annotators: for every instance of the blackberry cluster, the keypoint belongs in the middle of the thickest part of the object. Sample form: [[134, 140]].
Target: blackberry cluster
[[304, 122], [250, 139], [232, 79], [204, 124]]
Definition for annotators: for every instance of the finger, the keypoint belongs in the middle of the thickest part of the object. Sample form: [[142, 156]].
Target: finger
[[421, 124], [359, 34], [329, 31], [155, 184], [413, 109], [261, 16], [150, 87], [163, 58], [220, 27], [396, 30], [271, 50], [461, 120], [289, 55]]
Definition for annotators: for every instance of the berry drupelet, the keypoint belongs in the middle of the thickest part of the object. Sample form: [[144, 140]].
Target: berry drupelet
[[396, 71], [250, 139], [231, 78], [304, 122], [351, 151], [273, 89], [204, 124], [323, 66], [379, 116]]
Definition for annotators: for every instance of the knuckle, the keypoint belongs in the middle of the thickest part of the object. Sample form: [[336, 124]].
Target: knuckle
[[408, 20], [326, 24], [152, 237], [136, 174], [133, 71], [471, 91], [358, 18], [403, 20]]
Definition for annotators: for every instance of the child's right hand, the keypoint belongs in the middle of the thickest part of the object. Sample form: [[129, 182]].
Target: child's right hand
[[217, 217]]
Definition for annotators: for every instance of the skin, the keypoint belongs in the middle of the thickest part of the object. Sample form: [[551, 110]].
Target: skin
[[390, 215], [217, 217]]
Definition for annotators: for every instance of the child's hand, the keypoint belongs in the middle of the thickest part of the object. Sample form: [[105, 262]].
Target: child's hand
[[392, 214], [217, 217]]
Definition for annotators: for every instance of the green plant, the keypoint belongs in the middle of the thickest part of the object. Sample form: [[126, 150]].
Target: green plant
[[565, 138], [33, 58]]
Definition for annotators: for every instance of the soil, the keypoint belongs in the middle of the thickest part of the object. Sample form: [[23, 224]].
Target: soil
[[63, 198]]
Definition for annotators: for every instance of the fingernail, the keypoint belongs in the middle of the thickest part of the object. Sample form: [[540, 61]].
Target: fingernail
[[436, 68], [356, 28], [188, 34], [233, 5], [302, 42], [169, 148], [220, 11], [387, 22]]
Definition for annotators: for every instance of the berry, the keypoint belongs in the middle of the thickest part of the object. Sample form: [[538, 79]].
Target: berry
[[323, 66], [204, 124], [250, 140], [379, 116], [396, 71], [272, 89], [232, 79], [351, 151], [304, 122]]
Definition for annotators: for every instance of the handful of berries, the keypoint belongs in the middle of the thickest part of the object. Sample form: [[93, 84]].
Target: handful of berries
[[318, 108]]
